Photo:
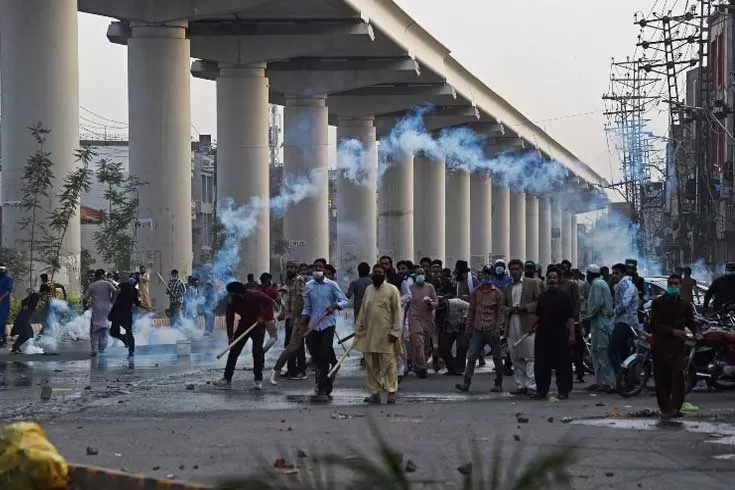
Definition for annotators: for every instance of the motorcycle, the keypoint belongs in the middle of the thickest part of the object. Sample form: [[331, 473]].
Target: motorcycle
[[712, 359], [637, 368]]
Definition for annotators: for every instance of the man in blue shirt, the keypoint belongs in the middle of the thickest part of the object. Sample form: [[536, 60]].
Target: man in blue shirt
[[626, 316], [6, 288], [322, 297]]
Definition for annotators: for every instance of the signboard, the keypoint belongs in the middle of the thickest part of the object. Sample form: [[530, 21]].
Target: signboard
[[296, 243], [10, 204], [555, 232], [144, 224]]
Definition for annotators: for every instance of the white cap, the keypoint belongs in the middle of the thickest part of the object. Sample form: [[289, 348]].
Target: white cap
[[593, 269]]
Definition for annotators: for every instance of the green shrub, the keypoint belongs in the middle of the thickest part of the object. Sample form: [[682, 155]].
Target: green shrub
[[546, 470]]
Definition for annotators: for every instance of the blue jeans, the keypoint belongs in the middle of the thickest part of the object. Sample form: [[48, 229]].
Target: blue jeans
[[478, 341], [208, 322]]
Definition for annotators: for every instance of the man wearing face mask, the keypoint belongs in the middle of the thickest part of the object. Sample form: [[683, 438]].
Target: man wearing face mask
[[421, 322], [322, 297], [554, 336], [670, 316], [377, 333], [294, 354], [484, 326], [500, 279], [722, 290]]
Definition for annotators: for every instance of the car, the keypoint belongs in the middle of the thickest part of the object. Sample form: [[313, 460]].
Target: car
[[655, 286]]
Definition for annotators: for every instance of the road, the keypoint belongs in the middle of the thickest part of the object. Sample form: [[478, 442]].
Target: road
[[163, 418]]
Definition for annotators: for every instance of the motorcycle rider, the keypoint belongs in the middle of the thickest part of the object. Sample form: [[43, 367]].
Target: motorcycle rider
[[669, 316], [722, 290]]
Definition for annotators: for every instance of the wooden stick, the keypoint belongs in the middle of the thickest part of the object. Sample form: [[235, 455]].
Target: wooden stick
[[518, 342], [238, 339], [163, 281], [339, 363], [317, 322]]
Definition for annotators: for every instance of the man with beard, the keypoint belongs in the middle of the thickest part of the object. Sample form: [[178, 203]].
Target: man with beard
[[484, 326], [390, 273], [600, 318], [294, 354], [101, 293], [377, 331], [670, 316], [466, 281], [253, 307], [554, 336], [520, 299], [322, 298], [570, 286]]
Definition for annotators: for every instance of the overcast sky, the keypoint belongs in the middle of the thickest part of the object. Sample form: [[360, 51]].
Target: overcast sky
[[549, 58]]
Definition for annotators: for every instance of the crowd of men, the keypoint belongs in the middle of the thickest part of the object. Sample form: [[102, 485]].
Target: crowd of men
[[410, 317]]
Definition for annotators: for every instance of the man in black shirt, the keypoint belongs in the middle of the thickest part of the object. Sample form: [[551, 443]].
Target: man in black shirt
[[554, 335], [722, 290], [121, 315]]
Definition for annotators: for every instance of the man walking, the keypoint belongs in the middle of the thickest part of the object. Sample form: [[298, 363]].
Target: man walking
[[102, 293], [451, 316], [670, 315], [356, 291], [485, 322], [722, 290], [520, 299], [377, 331], [421, 322], [253, 307], [121, 315], [554, 337], [322, 297], [294, 354], [600, 314], [175, 291]]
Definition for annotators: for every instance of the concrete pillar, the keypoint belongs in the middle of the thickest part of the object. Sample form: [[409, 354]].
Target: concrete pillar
[[501, 223], [556, 248], [306, 223], [457, 216], [518, 225], [575, 251], [481, 192], [429, 208], [39, 81], [396, 218], [566, 236], [532, 228], [160, 146], [357, 226], [243, 157], [544, 231]]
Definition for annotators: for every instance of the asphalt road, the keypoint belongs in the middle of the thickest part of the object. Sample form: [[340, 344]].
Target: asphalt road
[[162, 418]]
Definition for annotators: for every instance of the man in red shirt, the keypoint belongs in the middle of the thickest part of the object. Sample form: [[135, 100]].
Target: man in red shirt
[[252, 306]]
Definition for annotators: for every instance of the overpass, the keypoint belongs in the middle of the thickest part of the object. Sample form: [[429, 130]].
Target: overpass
[[361, 65]]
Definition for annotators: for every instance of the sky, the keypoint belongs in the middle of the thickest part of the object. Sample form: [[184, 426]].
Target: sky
[[549, 58]]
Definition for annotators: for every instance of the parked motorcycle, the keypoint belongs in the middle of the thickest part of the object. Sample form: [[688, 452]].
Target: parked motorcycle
[[712, 359], [637, 368]]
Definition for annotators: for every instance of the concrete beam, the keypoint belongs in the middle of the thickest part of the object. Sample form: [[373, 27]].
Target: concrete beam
[[366, 102], [158, 11], [311, 76], [438, 118]]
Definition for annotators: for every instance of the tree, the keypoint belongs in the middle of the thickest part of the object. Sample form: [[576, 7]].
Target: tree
[[14, 261], [75, 183], [38, 178], [115, 239]]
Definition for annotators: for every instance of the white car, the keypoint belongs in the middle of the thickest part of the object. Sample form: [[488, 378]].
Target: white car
[[656, 286]]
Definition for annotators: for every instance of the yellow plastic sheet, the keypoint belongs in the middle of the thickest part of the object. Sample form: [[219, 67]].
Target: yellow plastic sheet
[[28, 461]]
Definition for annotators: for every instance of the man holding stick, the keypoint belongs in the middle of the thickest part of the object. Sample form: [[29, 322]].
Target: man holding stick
[[322, 297], [377, 330], [255, 310]]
